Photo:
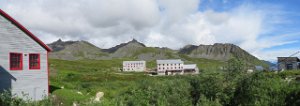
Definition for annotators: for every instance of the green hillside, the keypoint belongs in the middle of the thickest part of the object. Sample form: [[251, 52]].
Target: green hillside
[[78, 82], [135, 89], [91, 76]]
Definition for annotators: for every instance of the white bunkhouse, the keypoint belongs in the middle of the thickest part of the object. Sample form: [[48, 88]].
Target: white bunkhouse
[[190, 69], [23, 61], [134, 66], [169, 67]]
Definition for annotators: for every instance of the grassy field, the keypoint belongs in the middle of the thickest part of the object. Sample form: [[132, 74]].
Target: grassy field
[[91, 76], [88, 77], [79, 81]]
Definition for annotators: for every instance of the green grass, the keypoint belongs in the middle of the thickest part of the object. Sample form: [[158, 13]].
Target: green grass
[[204, 64], [69, 96], [92, 76]]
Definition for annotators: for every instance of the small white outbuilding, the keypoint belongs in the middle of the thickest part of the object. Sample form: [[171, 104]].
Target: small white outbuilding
[[190, 69]]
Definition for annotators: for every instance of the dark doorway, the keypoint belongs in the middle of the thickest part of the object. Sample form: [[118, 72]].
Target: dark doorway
[[289, 66]]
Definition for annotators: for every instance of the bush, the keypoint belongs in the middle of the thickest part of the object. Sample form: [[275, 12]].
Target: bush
[[7, 99], [207, 102], [195, 90], [260, 89], [163, 93]]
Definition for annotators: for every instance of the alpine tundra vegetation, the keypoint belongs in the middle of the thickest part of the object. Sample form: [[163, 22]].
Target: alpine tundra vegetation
[[149, 53]]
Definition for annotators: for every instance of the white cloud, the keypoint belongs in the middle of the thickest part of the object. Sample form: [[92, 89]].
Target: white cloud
[[167, 23], [271, 55]]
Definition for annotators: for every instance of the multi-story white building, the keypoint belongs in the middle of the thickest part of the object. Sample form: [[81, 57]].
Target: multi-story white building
[[136, 66], [169, 67], [175, 66]]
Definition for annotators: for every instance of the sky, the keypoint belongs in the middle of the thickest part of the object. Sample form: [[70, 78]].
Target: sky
[[265, 28]]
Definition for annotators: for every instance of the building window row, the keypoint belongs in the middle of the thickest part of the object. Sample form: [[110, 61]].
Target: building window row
[[133, 64], [168, 64], [16, 61], [170, 68]]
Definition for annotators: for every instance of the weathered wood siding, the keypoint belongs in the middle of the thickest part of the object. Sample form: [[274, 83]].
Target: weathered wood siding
[[32, 83]]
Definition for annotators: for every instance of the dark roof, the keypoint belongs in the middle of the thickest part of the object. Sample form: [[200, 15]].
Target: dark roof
[[281, 59], [21, 27]]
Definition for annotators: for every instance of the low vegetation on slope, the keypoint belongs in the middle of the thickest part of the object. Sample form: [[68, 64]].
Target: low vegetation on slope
[[232, 86], [78, 81], [76, 50]]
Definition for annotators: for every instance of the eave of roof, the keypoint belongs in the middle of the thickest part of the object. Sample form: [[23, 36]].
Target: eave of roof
[[169, 61], [25, 30]]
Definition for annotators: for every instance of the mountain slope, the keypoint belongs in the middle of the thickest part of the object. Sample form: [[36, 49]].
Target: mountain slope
[[222, 52], [75, 50], [134, 50], [216, 52], [133, 43], [137, 50]]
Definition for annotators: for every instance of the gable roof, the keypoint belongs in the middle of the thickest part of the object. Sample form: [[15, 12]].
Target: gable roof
[[27, 32], [189, 66], [286, 59], [133, 61], [169, 61]]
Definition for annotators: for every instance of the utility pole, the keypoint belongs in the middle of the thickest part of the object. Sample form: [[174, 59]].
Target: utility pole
[[295, 54]]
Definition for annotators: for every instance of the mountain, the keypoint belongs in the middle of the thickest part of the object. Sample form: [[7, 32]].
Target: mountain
[[218, 51], [75, 50], [137, 50], [270, 63], [133, 43]]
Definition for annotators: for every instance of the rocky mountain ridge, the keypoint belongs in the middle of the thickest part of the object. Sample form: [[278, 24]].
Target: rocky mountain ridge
[[75, 50], [217, 51]]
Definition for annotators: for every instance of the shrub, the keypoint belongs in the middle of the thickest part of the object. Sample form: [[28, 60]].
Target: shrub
[[7, 99], [260, 89]]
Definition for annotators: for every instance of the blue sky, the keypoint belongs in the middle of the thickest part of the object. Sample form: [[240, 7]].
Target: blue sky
[[287, 10], [265, 28]]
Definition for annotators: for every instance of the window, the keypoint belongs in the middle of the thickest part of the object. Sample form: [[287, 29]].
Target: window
[[34, 61], [15, 61]]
